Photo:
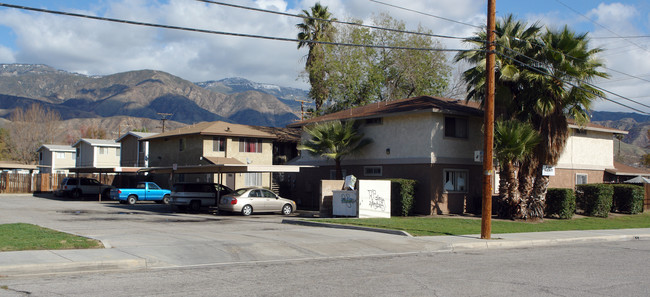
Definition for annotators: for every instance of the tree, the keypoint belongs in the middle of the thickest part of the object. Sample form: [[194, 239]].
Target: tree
[[360, 75], [334, 140], [316, 26], [29, 129], [93, 132], [513, 142], [542, 78]]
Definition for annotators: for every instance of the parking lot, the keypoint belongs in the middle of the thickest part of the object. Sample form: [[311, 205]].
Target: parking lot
[[168, 239]]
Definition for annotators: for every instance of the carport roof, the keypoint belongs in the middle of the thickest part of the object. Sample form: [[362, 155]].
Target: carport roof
[[225, 168]]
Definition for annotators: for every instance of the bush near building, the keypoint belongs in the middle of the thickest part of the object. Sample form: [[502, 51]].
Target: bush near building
[[403, 193], [628, 199], [595, 199], [561, 203]]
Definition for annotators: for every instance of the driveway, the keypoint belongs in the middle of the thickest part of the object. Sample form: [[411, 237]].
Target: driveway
[[167, 239]]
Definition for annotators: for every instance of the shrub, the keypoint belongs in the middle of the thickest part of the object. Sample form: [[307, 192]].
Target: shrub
[[560, 202], [403, 196], [628, 199], [595, 199]]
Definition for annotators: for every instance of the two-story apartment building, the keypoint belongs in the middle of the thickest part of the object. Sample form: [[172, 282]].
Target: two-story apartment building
[[134, 152], [219, 143], [56, 158], [97, 153], [428, 139]]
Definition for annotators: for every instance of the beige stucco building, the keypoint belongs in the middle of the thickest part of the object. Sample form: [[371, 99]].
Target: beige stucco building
[[217, 143], [56, 158], [588, 154], [428, 139], [97, 153]]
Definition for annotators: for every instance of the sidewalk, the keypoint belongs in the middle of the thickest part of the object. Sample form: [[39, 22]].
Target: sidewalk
[[67, 261]]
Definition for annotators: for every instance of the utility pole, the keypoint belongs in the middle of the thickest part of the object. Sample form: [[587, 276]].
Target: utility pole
[[302, 108], [163, 119], [488, 167]]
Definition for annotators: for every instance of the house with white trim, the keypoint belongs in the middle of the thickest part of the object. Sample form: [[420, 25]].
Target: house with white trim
[[56, 158], [97, 153], [134, 151]]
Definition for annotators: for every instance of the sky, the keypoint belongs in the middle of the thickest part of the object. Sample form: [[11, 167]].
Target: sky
[[97, 48]]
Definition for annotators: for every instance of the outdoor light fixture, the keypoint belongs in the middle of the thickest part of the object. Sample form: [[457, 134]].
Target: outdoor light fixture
[[388, 151]]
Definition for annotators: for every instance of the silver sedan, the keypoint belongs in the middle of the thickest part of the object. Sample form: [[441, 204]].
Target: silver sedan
[[249, 200]]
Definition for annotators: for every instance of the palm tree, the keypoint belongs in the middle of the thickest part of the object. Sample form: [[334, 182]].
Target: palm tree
[[316, 26], [513, 141], [562, 91], [334, 140]]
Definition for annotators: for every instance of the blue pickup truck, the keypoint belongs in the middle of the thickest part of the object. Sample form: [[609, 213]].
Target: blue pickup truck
[[144, 191]]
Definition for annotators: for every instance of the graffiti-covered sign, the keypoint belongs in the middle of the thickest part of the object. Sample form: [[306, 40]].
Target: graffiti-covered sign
[[344, 203], [374, 199]]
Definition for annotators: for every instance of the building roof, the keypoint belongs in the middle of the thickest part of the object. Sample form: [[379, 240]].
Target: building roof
[[223, 161], [217, 128], [57, 148], [137, 135], [409, 105], [626, 170], [98, 142], [6, 165], [595, 127]]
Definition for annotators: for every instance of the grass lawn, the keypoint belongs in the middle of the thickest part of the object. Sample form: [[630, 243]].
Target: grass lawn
[[20, 237], [432, 226]]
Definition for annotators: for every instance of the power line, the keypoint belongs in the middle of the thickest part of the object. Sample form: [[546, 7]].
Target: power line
[[328, 20], [572, 84], [598, 24], [226, 33], [621, 37], [427, 14]]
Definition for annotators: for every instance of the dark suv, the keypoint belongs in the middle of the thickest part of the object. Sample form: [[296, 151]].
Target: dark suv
[[197, 195], [75, 187]]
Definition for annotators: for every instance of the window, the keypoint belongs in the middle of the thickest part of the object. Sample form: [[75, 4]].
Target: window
[[117, 152], [40, 156], [581, 179], [374, 121], [218, 144], [250, 145], [102, 150], [455, 127], [78, 152], [253, 179], [372, 170], [455, 180], [181, 144], [60, 155]]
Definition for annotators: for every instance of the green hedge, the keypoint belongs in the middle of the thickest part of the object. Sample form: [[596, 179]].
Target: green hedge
[[560, 202], [403, 193], [595, 199], [628, 199]]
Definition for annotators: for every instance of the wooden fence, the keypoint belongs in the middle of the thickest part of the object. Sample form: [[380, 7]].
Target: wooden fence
[[11, 182]]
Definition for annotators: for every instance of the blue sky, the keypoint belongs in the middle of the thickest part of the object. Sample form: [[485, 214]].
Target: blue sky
[[94, 47]]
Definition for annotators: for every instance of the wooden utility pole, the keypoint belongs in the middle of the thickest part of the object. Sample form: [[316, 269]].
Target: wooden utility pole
[[163, 119], [488, 168]]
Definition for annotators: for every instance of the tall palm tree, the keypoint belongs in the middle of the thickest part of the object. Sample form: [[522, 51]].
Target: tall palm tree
[[513, 142], [562, 91], [316, 26], [334, 140]]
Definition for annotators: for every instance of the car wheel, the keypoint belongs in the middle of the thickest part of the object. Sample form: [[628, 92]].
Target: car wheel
[[195, 206], [106, 195], [131, 199], [247, 210], [76, 193], [165, 199], [287, 209]]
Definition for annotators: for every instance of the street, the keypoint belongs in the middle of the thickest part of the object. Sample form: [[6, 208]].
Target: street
[[603, 269]]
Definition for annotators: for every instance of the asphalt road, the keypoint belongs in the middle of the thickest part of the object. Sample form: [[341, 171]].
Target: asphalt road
[[602, 269]]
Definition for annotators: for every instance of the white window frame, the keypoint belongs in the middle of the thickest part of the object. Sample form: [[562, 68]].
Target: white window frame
[[455, 181], [586, 177], [60, 155], [253, 179], [102, 150], [373, 171]]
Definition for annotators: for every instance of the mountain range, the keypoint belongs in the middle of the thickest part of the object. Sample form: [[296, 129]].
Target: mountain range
[[140, 99], [148, 95]]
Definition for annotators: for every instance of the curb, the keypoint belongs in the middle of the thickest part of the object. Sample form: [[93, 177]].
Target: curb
[[350, 227], [71, 267], [500, 243]]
